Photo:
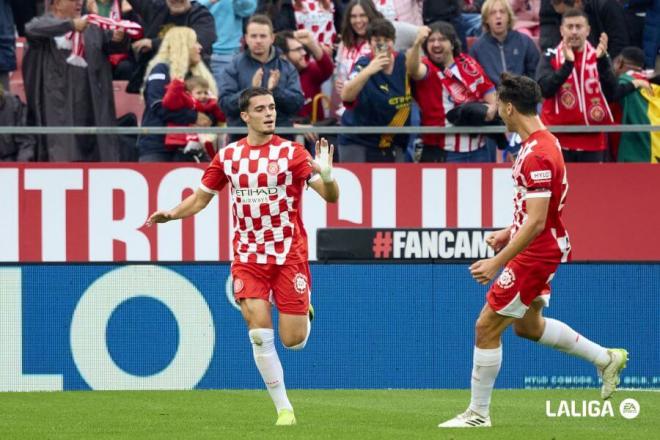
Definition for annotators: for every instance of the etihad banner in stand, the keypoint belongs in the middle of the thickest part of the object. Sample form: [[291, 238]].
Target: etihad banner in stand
[[96, 212]]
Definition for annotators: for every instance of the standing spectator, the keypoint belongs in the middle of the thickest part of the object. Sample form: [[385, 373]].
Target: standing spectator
[[158, 17], [570, 77], [261, 65], [640, 107], [549, 22], [280, 12], [62, 94], [14, 147], [317, 16], [377, 94], [604, 16], [500, 48], [445, 79], [651, 36], [387, 9], [7, 43], [228, 16], [409, 11], [353, 45], [314, 70], [179, 55]]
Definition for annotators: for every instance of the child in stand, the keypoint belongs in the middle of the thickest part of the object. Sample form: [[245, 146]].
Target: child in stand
[[195, 94]]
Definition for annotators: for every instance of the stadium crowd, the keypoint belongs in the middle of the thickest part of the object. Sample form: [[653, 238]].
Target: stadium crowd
[[352, 63]]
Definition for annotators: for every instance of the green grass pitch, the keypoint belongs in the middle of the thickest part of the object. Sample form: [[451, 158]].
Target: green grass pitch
[[322, 414]]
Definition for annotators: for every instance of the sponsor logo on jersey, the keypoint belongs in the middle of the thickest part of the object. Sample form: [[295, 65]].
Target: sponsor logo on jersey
[[541, 175], [256, 195], [507, 278], [238, 285], [300, 283]]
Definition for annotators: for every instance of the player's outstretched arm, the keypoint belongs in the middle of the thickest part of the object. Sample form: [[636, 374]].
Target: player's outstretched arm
[[537, 211], [191, 205], [326, 186]]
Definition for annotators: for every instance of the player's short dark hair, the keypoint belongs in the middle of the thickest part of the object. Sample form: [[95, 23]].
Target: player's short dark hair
[[633, 55], [449, 32], [247, 94], [574, 12], [259, 19], [195, 81], [380, 27], [282, 40], [522, 92]]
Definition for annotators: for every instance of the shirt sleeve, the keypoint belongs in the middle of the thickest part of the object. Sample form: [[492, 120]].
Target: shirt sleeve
[[538, 174], [300, 164], [214, 178]]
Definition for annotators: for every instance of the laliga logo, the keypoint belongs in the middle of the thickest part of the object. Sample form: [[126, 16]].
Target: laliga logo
[[629, 408]]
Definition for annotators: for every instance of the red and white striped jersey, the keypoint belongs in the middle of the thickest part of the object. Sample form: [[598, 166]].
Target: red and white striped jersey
[[266, 189], [311, 15], [539, 171]]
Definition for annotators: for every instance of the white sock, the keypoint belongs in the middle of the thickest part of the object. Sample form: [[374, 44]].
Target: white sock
[[268, 363], [486, 366], [561, 337]]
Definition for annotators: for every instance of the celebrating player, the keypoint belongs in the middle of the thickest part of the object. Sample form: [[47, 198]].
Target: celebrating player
[[267, 175], [530, 251]]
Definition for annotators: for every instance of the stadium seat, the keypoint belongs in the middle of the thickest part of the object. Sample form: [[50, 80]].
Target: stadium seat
[[127, 102]]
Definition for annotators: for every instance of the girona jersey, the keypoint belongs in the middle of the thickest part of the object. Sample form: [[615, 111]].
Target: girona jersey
[[266, 184], [539, 171]]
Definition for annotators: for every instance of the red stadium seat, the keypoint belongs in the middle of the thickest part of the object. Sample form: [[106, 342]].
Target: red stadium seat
[[127, 102]]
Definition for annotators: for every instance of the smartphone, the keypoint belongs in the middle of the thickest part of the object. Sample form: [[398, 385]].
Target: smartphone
[[381, 47]]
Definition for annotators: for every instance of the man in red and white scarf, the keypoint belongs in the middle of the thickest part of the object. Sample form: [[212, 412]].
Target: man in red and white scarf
[[577, 81]]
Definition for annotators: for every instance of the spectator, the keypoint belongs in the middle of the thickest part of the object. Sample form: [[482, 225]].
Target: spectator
[[604, 16], [314, 70], [353, 45], [195, 93], [377, 94], [261, 65], [228, 16], [636, 108], [445, 10], [527, 16], [7, 43], [179, 55], [549, 23], [570, 77], [62, 94], [158, 17], [280, 12], [409, 11], [500, 48], [14, 147], [317, 16], [445, 79], [471, 17], [387, 9]]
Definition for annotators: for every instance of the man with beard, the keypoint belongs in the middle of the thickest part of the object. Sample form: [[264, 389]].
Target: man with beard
[[446, 78]]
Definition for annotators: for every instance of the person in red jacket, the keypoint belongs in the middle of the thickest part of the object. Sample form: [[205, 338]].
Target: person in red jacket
[[194, 94]]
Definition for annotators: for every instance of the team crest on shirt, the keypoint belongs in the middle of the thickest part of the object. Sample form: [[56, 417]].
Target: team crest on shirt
[[469, 68], [507, 278], [300, 283], [597, 113], [568, 99], [238, 285], [273, 168]]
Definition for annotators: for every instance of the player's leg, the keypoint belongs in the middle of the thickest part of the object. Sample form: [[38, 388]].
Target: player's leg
[[292, 293], [252, 291], [555, 334], [487, 359]]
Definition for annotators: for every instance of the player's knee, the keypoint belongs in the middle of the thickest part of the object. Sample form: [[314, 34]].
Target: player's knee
[[527, 331], [297, 342], [485, 336]]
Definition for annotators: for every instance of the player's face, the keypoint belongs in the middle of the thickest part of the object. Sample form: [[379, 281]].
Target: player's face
[[505, 111], [574, 32], [439, 49], [259, 38], [260, 115]]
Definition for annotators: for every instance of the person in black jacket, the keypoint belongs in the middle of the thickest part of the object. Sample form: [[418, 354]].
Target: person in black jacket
[[158, 17], [605, 16], [280, 12], [445, 10], [14, 147]]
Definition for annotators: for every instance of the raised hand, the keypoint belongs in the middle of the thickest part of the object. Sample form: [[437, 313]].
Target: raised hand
[[602, 45], [378, 63], [569, 55], [322, 163], [422, 34], [258, 77], [273, 79]]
